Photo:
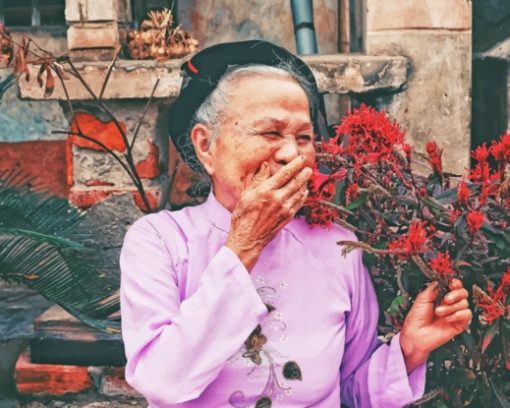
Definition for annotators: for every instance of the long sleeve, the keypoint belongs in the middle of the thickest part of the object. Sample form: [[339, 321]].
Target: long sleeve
[[175, 348], [374, 374]]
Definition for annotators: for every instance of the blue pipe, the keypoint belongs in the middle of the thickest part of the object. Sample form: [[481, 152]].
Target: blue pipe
[[304, 30]]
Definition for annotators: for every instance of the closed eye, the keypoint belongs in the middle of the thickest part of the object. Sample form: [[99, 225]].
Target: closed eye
[[306, 138], [271, 133]]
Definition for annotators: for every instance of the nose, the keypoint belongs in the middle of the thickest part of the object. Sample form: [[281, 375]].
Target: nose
[[287, 151]]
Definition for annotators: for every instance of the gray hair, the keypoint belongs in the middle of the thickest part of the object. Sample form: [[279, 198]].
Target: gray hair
[[212, 111]]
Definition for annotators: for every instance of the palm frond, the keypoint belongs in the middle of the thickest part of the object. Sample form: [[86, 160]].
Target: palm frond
[[43, 246], [70, 278]]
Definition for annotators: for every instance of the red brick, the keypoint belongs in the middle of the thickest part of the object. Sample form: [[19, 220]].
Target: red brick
[[51, 379], [93, 35], [152, 197], [98, 183], [87, 198], [113, 383], [149, 167], [69, 160], [49, 167], [105, 132]]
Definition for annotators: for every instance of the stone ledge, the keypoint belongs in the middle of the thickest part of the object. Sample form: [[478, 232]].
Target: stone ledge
[[336, 73]]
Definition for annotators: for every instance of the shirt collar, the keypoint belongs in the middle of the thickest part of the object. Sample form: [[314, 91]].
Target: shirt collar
[[219, 215]]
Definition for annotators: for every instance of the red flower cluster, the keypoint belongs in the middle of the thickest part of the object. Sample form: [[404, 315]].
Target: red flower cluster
[[481, 153], [501, 150], [370, 137], [463, 194], [322, 187], [493, 306], [442, 264], [435, 157], [475, 220], [352, 191], [416, 241]]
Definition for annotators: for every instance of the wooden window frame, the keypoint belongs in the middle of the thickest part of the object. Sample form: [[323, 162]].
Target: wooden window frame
[[35, 20]]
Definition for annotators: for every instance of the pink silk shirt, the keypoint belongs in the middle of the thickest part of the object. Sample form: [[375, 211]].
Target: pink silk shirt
[[189, 305]]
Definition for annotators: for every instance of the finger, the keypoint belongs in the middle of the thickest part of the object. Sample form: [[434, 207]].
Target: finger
[[296, 201], [429, 294], [461, 316], [290, 208], [296, 184], [455, 295], [448, 310], [262, 174], [287, 172], [455, 284]]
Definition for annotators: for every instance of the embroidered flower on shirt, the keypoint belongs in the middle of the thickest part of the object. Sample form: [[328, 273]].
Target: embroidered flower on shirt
[[262, 358]]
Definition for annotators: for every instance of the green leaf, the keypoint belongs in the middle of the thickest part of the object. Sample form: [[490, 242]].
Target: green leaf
[[358, 202], [395, 303], [489, 335], [56, 241]]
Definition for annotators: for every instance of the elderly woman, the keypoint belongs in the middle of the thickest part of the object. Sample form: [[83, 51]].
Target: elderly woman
[[237, 302]]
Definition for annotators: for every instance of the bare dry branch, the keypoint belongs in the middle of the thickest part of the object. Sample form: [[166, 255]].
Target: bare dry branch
[[108, 73], [147, 105]]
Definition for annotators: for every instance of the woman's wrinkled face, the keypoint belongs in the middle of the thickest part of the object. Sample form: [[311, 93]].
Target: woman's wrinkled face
[[266, 118]]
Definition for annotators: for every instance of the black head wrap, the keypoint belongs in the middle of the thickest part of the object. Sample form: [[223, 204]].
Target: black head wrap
[[205, 69]]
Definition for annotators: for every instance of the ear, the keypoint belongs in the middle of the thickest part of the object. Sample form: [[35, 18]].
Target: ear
[[201, 137]]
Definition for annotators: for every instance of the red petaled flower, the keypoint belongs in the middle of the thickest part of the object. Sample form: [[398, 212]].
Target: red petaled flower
[[322, 188], [352, 191], [442, 264], [491, 311], [463, 193], [505, 280], [408, 150], [481, 153], [435, 160], [414, 242], [370, 136], [475, 221], [501, 150], [492, 304]]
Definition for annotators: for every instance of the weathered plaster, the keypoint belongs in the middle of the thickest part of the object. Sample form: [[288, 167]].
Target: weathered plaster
[[28, 120]]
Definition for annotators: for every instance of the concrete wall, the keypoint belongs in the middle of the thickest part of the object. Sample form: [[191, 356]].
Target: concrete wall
[[436, 36], [217, 21]]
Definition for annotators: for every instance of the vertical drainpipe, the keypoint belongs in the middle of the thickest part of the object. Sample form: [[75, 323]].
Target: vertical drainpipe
[[304, 30]]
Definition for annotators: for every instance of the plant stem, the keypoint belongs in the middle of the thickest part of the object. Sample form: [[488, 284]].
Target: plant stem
[[149, 101], [108, 73]]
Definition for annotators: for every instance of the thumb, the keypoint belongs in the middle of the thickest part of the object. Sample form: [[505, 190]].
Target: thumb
[[429, 294], [262, 173]]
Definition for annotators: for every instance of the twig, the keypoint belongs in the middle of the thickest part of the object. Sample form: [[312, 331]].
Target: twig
[[429, 396], [147, 105], [429, 273], [103, 146], [348, 246], [337, 207], [108, 73], [68, 99], [77, 75]]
